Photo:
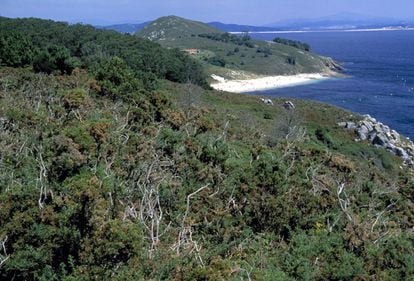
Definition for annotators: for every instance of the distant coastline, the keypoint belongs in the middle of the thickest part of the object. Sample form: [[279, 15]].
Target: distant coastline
[[333, 30]]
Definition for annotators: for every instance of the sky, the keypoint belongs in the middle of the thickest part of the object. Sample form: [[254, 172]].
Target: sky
[[256, 12]]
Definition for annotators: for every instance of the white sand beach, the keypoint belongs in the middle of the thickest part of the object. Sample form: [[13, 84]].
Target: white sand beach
[[266, 83]]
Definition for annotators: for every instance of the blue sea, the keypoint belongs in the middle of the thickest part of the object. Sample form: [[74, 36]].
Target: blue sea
[[380, 66]]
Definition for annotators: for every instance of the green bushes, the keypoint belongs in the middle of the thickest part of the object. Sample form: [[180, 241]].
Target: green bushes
[[111, 163], [15, 49], [217, 61], [215, 152], [244, 40], [264, 50], [291, 60], [52, 46], [75, 99], [55, 58], [297, 44], [117, 80]]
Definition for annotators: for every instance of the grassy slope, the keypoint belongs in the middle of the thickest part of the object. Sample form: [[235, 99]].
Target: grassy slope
[[181, 33]]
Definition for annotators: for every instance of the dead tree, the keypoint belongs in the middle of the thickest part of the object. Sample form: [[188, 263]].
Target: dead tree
[[344, 202], [185, 239], [3, 252], [147, 209], [41, 180]]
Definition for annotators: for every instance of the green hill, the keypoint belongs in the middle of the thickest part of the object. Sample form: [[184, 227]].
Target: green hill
[[172, 27], [233, 56]]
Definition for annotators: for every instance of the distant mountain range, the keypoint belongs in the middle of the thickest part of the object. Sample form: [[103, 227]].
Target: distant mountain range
[[340, 21]]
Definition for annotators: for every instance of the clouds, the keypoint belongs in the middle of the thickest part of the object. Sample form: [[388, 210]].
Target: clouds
[[237, 11]]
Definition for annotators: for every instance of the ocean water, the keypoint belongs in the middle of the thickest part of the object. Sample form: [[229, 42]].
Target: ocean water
[[381, 69]]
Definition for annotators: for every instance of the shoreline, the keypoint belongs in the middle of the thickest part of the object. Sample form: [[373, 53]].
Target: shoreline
[[328, 30], [268, 82]]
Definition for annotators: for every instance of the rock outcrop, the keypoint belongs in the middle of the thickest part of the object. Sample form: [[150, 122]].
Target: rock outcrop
[[288, 105], [380, 135], [267, 101]]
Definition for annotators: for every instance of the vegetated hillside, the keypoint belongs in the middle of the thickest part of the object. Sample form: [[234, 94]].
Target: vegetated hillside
[[126, 27], [50, 46], [172, 27], [105, 176], [102, 179], [233, 56]]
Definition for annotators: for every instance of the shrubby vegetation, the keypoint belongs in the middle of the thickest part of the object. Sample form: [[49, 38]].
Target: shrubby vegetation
[[104, 180], [51, 46], [291, 60], [244, 40], [297, 44], [115, 174], [217, 61]]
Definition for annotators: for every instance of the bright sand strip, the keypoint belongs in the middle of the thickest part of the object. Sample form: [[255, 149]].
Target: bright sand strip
[[267, 83]]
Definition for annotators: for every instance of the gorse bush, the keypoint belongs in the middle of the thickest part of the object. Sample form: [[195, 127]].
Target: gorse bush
[[122, 183]]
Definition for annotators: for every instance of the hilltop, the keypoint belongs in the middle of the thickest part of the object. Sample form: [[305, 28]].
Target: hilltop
[[173, 27], [233, 56]]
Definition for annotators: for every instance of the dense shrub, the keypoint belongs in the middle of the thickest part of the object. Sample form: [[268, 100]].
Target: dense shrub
[[15, 49], [62, 47], [244, 40], [291, 60], [217, 61], [297, 44]]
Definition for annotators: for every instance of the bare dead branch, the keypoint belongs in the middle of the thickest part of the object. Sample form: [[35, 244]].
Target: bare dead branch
[[41, 180], [3, 252], [185, 236]]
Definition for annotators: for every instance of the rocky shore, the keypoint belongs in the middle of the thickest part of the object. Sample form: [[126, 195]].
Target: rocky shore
[[380, 135]]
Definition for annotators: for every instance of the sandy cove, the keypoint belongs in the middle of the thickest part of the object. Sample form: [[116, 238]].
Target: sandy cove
[[266, 83]]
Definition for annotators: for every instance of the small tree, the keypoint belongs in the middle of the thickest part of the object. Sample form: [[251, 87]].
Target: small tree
[[15, 50], [117, 79], [55, 58]]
